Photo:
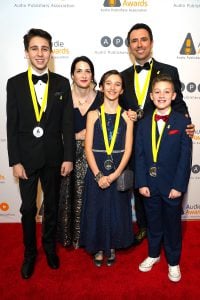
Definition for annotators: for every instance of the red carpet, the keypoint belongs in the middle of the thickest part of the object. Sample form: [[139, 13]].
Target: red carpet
[[78, 278]]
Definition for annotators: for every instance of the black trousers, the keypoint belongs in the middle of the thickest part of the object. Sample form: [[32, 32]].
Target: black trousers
[[50, 183], [140, 210]]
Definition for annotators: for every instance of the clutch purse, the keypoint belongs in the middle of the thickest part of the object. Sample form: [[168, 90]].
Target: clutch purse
[[125, 180]]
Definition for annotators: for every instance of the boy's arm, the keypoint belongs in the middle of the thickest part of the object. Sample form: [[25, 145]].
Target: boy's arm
[[182, 175]]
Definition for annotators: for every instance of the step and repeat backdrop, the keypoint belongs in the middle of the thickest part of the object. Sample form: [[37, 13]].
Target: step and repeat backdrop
[[98, 29]]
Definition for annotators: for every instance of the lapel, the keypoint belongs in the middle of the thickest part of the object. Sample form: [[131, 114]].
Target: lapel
[[130, 79], [50, 100], [169, 125], [156, 69]]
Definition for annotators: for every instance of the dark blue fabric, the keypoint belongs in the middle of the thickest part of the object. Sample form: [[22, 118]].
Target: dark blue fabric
[[106, 214], [80, 120]]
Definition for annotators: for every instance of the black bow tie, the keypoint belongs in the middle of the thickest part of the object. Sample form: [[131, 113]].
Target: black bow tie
[[159, 117], [43, 77], [139, 68]]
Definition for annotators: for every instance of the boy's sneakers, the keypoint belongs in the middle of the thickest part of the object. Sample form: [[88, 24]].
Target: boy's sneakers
[[174, 273], [148, 263]]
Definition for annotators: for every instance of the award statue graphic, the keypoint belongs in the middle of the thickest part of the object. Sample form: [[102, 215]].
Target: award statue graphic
[[112, 3], [188, 46]]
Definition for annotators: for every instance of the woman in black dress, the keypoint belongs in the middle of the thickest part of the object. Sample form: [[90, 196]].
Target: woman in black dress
[[85, 98]]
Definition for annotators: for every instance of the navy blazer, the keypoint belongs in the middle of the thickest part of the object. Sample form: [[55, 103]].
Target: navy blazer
[[174, 156], [56, 145], [129, 99]]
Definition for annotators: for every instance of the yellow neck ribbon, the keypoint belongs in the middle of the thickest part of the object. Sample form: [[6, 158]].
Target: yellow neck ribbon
[[155, 147], [38, 114], [109, 148], [141, 93]]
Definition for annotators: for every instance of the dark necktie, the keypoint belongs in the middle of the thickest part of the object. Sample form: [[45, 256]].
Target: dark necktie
[[159, 117], [43, 77], [139, 68]]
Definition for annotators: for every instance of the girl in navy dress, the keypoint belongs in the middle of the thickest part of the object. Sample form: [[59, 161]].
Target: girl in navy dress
[[106, 222]]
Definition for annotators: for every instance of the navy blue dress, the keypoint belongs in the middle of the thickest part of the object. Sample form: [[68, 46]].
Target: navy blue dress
[[106, 220]]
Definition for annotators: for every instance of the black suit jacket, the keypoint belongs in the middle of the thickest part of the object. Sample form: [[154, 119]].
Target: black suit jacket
[[56, 145], [129, 98]]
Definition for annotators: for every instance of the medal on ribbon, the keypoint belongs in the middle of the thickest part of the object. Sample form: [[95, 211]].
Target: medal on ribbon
[[155, 146], [37, 131], [141, 93], [108, 164]]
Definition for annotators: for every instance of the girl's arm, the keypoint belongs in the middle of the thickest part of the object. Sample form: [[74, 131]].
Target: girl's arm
[[91, 119], [102, 180]]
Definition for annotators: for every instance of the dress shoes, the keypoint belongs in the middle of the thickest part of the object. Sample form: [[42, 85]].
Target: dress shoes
[[111, 259], [53, 260], [98, 259], [140, 236], [27, 268]]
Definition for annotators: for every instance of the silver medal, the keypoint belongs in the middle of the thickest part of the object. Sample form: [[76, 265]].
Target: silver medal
[[108, 164], [38, 131]]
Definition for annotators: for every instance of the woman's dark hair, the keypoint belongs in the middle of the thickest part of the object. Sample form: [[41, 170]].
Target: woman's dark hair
[[88, 61]]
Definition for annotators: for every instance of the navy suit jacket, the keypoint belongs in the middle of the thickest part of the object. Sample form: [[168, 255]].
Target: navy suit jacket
[[56, 145], [129, 99], [174, 156]]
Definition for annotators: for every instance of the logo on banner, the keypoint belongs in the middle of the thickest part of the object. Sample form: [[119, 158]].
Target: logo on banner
[[59, 49], [4, 206], [2, 178], [196, 140], [117, 41], [112, 3], [188, 47], [195, 169], [192, 210], [124, 6]]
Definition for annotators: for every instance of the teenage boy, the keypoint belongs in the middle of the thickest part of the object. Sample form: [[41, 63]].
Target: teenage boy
[[40, 138]]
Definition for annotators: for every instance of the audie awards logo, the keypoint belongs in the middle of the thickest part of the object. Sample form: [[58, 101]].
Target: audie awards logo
[[188, 47], [112, 3]]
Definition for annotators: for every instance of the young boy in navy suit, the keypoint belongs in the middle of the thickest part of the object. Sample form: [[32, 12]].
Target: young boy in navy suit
[[163, 154]]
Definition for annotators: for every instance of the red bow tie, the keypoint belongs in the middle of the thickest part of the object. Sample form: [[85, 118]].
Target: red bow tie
[[159, 117]]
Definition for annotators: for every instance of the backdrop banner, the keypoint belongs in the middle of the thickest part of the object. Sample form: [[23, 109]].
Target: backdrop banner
[[98, 29]]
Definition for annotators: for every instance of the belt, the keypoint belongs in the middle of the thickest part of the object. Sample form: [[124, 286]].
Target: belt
[[104, 151]]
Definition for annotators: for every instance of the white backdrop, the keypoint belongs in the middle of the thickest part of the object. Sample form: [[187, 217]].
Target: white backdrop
[[98, 29]]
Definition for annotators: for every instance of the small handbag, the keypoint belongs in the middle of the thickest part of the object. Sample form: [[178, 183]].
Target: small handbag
[[125, 180]]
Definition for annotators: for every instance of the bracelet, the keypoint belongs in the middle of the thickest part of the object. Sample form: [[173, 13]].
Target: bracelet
[[98, 176]]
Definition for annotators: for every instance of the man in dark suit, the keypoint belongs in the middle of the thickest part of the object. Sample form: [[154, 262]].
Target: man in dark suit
[[163, 153], [40, 138], [136, 97]]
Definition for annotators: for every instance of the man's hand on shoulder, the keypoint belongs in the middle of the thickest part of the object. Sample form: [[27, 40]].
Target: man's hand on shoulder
[[190, 130]]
